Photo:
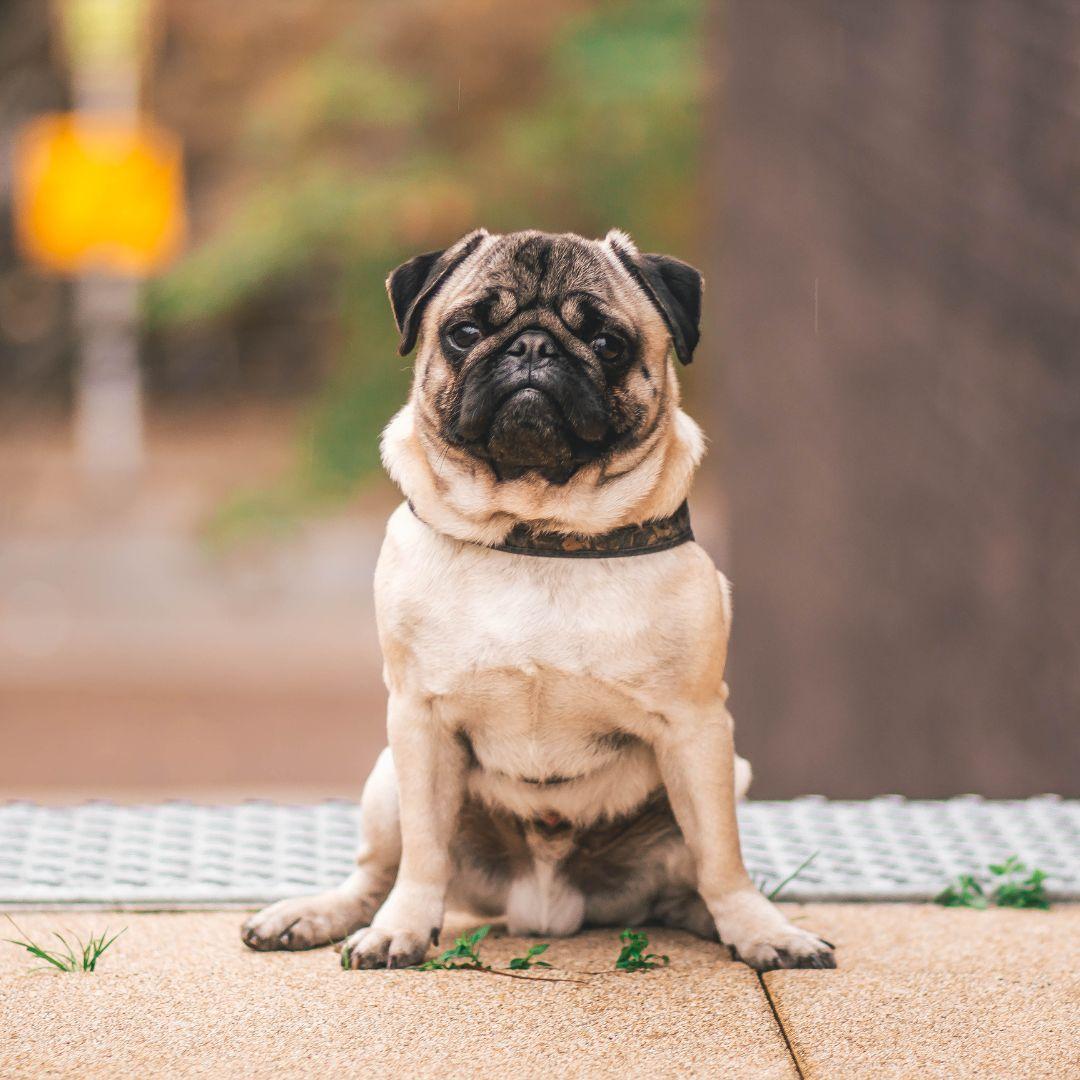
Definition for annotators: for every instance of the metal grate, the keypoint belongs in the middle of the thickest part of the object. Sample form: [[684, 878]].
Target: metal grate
[[894, 849], [178, 854]]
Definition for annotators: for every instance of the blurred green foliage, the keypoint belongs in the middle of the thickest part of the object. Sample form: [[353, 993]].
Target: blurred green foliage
[[368, 153]]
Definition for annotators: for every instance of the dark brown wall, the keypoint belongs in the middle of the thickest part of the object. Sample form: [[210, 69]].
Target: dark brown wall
[[899, 307]]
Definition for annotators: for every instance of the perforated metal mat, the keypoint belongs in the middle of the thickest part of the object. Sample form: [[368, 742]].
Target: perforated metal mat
[[182, 855]]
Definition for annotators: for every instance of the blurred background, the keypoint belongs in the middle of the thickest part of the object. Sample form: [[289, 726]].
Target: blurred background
[[199, 203]]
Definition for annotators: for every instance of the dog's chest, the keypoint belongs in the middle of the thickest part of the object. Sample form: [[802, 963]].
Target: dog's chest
[[537, 659], [541, 725], [536, 681], [523, 634]]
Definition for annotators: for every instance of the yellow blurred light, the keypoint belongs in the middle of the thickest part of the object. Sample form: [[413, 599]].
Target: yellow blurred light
[[98, 193]]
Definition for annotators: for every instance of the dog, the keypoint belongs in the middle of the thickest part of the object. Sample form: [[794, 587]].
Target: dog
[[560, 748]]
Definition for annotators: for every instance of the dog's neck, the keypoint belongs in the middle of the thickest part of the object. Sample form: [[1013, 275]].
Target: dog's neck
[[459, 496]]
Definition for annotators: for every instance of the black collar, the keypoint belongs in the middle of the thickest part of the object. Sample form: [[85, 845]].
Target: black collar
[[642, 539]]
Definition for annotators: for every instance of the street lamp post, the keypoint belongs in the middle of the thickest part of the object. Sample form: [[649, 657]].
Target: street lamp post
[[99, 197]]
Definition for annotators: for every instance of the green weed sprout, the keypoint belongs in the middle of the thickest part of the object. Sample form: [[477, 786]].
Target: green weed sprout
[[633, 956], [1014, 887], [523, 963]]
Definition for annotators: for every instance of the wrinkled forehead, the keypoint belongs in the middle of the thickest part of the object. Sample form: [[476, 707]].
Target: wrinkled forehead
[[524, 271]]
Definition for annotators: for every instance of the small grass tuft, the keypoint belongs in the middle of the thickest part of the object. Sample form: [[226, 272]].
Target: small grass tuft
[[633, 956], [524, 963], [1014, 887], [82, 956]]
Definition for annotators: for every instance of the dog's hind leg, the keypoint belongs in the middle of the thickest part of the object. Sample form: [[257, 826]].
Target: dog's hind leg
[[306, 922], [743, 775], [685, 911], [640, 869]]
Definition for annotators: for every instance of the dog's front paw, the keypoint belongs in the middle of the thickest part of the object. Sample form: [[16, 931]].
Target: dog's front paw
[[761, 937], [374, 947], [400, 933], [790, 948]]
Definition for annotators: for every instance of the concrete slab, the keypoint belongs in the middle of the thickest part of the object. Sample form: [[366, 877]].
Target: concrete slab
[[178, 995], [932, 992]]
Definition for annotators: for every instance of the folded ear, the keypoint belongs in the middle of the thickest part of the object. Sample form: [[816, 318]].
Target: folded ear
[[673, 286], [413, 284]]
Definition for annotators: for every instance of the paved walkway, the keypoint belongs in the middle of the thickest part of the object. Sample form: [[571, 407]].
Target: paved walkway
[[920, 991]]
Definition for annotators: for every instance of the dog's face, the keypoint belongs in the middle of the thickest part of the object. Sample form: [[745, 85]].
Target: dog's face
[[540, 353]]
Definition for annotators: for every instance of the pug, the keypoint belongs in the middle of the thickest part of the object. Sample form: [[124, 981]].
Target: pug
[[560, 748]]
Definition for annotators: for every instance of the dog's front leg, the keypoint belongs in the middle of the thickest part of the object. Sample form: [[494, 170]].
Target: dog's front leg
[[695, 751], [430, 765]]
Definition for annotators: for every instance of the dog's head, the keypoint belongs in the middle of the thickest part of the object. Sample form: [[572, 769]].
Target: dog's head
[[540, 353]]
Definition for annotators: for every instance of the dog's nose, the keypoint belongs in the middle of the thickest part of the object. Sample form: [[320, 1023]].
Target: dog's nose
[[534, 345]]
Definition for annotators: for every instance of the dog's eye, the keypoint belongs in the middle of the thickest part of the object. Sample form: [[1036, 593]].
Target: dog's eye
[[464, 335], [608, 347]]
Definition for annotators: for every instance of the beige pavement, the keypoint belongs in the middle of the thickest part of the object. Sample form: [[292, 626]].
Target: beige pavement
[[182, 997], [920, 992], [924, 991]]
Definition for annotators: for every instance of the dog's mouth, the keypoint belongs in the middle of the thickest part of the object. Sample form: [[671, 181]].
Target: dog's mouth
[[528, 431], [542, 424]]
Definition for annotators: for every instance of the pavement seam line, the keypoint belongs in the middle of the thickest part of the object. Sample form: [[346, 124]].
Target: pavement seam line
[[780, 1025]]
